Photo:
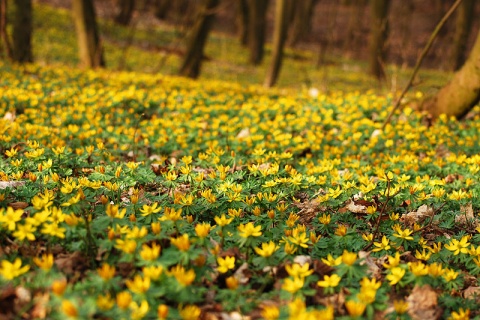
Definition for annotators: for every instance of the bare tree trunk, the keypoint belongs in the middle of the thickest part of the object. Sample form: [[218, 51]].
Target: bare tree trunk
[[22, 31], [197, 39], [280, 33], [463, 26], [3, 29], [378, 37], [89, 47], [256, 29], [124, 12], [302, 21], [462, 93], [242, 21], [161, 8]]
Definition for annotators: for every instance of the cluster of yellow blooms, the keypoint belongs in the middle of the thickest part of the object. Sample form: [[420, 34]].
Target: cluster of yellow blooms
[[259, 182]]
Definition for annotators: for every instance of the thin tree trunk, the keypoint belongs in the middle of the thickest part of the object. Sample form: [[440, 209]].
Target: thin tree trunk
[[280, 33], [302, 21], [22, 31], [242, 21], [378, 37], [462, 93], [161, 8], [3, 29], [89, 46], [124, 12], [197, 39], [463, 26], [256, 29]]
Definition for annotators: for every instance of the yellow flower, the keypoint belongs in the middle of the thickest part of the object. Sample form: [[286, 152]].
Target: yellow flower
[[45, 262], [380, 246], [460, 315], [270, 312], [127, 246], [113, 212], [225, 264], [329, 281], [341, 230], [148, 210], [296, 270], [138, 311], [418, 268], [202, 229], [25, 231], [162, 312], [396, 274], [10, 270], [10, 218], [152, 272], [293, 285], [392, 261], [105, 302], [249, 230], [268, 248], [354, 308], [299, 238], [59, 286], [150, 253], [52, 229], [400, 306], [232, 283], [435, 269], [106, 272], [349, 258], [403, 234], [331, 262], [458, 246], [181, 242], [138, 284], [123, 299], [137, 233], [183, 277], [223, 220], [190, 312], [69, 309], [450, 275], [423, 255], [171, 214]]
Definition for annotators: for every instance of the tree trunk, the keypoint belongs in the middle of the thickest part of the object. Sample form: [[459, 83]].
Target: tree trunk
[[462, 93], [279, 35], [161, 8], [124, 12], [463, 26], [256, 29], [5, 41], [302, 21], [351, 44], [89, 47], [242, 21], [22, 31], [378, 37], [197, 39]]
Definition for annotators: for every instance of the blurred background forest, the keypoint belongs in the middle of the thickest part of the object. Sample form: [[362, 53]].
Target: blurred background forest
[[312, 43]]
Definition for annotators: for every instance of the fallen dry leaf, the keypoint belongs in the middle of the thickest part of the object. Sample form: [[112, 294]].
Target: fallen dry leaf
[[18, 205], [11, 184], [423, 304], [422, 213], [472, 293]]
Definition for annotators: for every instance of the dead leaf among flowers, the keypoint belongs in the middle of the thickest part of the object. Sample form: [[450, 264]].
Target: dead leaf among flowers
[[308, 210], [18, 205], [70, 262], [422, 213], [472, 293], [11, 184], [466, 216], [423, 303], [373, 270]]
